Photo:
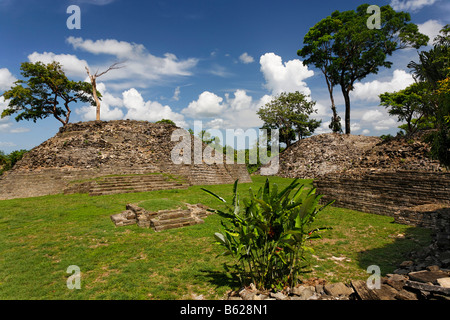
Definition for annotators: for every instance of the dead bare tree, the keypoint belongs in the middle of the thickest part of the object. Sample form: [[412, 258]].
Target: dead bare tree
[[93, 77]]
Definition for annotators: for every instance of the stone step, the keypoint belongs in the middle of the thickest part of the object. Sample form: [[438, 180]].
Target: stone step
[[135, 183], [142, 189], [136, 177], [170, 215], [174, 223], [134, 186]]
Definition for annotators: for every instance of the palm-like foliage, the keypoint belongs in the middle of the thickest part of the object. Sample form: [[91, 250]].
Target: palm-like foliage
[[268, 232]]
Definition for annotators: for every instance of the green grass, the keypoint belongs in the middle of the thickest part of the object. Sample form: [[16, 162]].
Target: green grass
[[41, 237]]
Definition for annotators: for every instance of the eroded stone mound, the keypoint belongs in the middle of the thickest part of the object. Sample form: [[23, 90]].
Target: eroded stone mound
[[399, 153], [323, 154], [343, 154]]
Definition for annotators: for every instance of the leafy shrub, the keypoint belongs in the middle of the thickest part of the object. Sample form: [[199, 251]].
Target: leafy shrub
[[268, 233], [167, 121], [8, 161]]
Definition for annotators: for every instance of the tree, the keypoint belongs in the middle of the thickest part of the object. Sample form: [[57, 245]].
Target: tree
[[289, 113], [318, 49], [433, 72], [8, 161], [353, 51], [93, 78], [43, 93], [410, 105]]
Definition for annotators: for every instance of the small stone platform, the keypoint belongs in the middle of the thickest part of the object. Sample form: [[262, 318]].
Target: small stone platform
[[162, 219]]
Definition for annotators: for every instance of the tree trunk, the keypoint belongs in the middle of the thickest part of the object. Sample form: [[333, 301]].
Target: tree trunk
[[97, 101], [333, 105], [347, 109]]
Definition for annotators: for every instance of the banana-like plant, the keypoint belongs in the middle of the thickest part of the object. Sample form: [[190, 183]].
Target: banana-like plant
[[268, 233]]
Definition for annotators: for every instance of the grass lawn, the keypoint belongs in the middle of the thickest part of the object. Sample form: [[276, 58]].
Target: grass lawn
[[41, 237]]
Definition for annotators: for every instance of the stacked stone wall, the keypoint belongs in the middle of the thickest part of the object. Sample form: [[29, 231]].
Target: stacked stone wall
[[385, 193]]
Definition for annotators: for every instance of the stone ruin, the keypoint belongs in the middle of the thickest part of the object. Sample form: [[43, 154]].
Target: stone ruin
[[107, 157], [162, 219], [394, 178]]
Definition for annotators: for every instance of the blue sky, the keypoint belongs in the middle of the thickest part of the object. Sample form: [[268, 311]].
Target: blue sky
[[216, 61]]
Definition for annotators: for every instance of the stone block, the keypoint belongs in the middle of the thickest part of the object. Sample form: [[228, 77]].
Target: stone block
[[337, 289], [427, 276]]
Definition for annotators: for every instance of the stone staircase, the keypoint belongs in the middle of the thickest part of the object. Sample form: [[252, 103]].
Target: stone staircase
[[171, 219], [161, 220], [133, 183], [213, 174]]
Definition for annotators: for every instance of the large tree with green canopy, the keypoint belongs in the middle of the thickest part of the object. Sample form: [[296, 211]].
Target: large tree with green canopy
[[46, 92], [347, 51], [289, 113]]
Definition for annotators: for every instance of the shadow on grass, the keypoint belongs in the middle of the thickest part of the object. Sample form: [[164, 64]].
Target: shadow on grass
[[390, 256], [221, 279]]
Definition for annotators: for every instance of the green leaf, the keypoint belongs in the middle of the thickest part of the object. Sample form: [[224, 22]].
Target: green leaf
[[214, 195]]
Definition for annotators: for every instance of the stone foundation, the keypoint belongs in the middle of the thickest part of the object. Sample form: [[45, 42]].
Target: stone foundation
[[161, 220]]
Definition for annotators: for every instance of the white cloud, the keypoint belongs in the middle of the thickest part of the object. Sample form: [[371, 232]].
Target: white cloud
[[370, 91], [284, 77], [246, 58], [131, 106], [386, 124], [372, 115], [208, 104], [7, 144], [219, 71], [431, 28], [366, 132], [139, 64], [410, 5], [215, 124], [233, 112], [323, 128], [72, 66], [6, 79], [107, 112], [138, 109], [6, 125], [240, 101]]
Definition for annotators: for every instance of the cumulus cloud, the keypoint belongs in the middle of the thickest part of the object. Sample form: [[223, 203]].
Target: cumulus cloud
[[410, 5], [109, 107], [130, 106], [6, 79], [375, 119], [246, 58], [284, 77], [372, 115], [237, 110], [140, 65], [139, 109], [430, 28], [72, 66], [6, 125], [386, 124], [370, 91], [208, 104]]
